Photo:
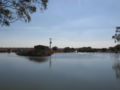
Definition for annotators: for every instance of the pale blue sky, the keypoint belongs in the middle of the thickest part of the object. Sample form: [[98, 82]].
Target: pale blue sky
[[74, 23]]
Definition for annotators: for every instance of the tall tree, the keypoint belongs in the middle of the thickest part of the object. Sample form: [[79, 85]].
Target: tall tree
[[116, 37], [13, 10]]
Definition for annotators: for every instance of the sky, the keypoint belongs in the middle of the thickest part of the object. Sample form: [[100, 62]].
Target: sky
[[73, 23]]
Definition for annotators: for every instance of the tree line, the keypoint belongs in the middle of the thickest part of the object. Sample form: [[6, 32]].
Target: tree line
[[115, 49]]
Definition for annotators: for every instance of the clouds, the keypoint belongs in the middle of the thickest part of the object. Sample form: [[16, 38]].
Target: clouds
[[69, 23]]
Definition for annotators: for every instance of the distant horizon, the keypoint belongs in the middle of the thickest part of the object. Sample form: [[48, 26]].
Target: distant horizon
[[53, 46]]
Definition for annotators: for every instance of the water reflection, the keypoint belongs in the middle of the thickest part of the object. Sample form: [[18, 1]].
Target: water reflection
[[41, 60], [67, 71], [116, 65], [50, 62], [38, 59]]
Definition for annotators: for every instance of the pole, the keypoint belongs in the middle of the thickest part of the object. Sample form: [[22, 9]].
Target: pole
[[50, 42]]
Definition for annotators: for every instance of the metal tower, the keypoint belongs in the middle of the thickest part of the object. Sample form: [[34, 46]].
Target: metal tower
[[50, 43]]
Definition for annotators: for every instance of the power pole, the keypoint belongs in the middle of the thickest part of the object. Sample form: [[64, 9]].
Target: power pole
[[50, 43], [50, 46]]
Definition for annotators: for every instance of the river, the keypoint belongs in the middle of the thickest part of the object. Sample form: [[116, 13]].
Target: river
[[61, 71]]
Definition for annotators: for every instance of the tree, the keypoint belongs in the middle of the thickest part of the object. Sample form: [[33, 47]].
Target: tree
[[55, 48], [13, 10], [68, 49], [116, 37]]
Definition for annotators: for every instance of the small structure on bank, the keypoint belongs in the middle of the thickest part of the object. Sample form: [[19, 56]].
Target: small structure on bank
[[41, 47]]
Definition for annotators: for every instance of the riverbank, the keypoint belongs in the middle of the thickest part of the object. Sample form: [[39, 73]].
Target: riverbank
[[32, 51], [114, 49]]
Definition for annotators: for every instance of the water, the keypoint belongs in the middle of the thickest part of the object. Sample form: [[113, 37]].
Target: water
[[61, 71]]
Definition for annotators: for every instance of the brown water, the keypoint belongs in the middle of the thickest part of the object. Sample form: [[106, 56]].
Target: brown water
[[62, 71]]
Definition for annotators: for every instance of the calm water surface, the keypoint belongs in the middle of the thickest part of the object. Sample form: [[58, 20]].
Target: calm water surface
[[61, 71]]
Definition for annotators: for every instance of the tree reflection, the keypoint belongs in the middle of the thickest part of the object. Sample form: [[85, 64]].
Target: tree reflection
[[38, 59], [116, 65], [41, 60]]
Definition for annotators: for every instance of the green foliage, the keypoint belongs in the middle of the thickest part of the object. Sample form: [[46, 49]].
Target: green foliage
[[55, 48], [115, 48], [68, 49], [13, 10], [87, 49]]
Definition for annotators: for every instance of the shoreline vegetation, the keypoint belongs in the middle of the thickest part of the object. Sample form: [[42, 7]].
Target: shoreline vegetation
[[115, 49], [38, 50], [41, 50]]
